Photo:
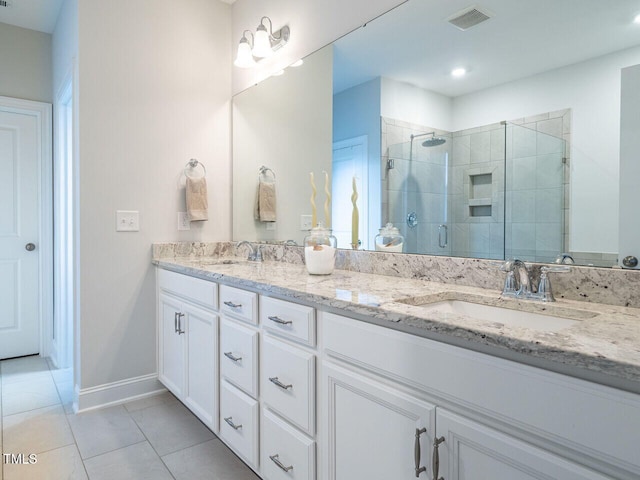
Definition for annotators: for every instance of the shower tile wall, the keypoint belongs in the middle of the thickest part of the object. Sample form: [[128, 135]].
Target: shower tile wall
[[477, 192], [537, 195], [462, 183], [414, 186]]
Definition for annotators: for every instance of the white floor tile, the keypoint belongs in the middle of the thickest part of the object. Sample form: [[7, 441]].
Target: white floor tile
[[59, 464], [30, 394], [210, 460], [137, 462], [36, 431], [104, 430], [163, 398], [171, 427], [22, 369]]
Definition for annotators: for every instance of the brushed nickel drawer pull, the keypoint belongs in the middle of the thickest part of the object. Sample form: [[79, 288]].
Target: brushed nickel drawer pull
[[180, 331], [416, 451], [280, 321], [277, 382], [436, 457], [232, 305], [231, 424], [230, 356], [175, 322], [276, 459]]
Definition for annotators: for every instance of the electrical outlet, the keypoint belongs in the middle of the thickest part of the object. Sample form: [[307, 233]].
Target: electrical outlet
[[305, 222], [127, 221], [183, 221]]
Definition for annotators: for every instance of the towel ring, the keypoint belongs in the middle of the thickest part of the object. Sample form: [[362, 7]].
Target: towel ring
[[191, 164], [264, 171]]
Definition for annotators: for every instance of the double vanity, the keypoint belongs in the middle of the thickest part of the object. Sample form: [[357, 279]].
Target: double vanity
[[367, 376]]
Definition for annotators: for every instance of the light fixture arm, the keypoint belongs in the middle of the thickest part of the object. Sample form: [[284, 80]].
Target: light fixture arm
[[277, 39], [245, 39]]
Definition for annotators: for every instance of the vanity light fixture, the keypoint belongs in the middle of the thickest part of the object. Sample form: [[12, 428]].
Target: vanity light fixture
[[458, 72], [244, 58], [264, 43]]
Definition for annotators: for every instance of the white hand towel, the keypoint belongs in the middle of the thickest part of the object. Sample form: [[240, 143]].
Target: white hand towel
[[197, 201], [265, 206]]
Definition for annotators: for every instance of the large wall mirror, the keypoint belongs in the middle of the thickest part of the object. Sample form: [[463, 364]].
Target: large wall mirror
[[520, 156]]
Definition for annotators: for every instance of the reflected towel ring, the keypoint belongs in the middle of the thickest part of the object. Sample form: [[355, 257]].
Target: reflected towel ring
[[264, 171], [191, 164]]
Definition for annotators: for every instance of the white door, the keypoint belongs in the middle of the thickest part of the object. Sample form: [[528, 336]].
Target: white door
[[350, 160], [374, 431], [19, 234]]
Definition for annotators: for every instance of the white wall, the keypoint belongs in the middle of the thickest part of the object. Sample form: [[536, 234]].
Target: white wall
[[313, 24], [277, 124], [629, 164], [25, 63], [592, 90], [155, 89], [416, 105]]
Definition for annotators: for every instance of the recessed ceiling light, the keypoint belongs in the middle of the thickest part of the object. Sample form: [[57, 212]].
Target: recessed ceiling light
[[297, 63], [458, 72], [636, 19]]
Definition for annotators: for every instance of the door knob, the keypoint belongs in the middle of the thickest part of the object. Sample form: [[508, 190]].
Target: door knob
[[30, 247]]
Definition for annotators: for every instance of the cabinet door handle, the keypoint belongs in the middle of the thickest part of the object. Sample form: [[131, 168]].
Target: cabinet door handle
[[179, 317], [276, 459], [416, 451], [277, 382], [175, 322], [436, 458], [232, 305], [280, 321], [231, 424], [230, 356]]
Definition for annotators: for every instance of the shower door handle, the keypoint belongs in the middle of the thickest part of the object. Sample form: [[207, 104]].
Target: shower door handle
[[443, 239]]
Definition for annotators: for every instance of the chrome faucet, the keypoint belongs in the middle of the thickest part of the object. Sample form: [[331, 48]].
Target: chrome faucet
[[564, 258], [522, 287], [255, 253]]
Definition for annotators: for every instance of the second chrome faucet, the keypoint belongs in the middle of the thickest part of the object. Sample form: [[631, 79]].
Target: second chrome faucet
[[518, 282]]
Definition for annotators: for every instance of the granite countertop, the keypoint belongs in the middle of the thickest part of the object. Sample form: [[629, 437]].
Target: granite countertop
[[602, 345]]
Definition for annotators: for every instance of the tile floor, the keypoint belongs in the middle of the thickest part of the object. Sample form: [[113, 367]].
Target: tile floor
[[155, 438]]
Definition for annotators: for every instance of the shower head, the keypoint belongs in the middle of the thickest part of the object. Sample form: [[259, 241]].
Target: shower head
[[433, 142]]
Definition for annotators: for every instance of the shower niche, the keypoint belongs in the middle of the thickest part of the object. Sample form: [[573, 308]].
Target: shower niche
[[494, 191], [480, 195]]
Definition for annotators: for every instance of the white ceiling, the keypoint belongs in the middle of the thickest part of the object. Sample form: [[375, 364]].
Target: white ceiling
[[414, 43], [38, 15]]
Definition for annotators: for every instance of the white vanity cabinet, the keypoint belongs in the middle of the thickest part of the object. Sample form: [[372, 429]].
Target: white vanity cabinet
[[188, 342], [490, 418]]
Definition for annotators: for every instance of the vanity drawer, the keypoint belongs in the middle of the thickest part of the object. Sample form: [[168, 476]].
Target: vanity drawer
[[239, 356], [196, 290], [239, 304], [239, 422], [297, 322], [283, 447], [287, 382]]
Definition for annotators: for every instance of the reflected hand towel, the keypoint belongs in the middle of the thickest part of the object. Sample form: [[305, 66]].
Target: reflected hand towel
[[265, 206]]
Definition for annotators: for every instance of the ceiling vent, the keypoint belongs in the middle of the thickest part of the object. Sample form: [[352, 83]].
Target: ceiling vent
[[469, 17], [5, 3]]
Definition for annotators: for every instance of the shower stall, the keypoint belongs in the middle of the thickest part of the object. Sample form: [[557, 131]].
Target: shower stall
[[494, 191]]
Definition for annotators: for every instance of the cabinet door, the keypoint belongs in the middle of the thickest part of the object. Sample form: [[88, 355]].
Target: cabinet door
[[471, 451], [201, 331], [171, 366], [374, 431]]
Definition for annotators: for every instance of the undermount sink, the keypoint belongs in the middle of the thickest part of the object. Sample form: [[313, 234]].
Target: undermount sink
[[506, 316]]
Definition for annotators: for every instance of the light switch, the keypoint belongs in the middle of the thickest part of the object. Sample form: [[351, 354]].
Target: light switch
[[305, 222], [127, 221]]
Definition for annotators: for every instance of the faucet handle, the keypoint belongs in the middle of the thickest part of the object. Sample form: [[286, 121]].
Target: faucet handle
[[258, 254], [509, 284], [544, 286]]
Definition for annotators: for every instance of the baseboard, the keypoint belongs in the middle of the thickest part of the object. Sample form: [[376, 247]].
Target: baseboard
[[116, 393]]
